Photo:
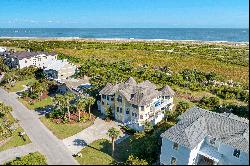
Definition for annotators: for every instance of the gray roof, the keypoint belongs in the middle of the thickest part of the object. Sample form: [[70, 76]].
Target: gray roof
[[196, 123], [167, 91], [57, 64], [139, 94], [25, 54]]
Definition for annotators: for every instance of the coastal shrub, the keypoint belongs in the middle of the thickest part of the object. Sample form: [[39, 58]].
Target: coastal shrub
[[132, 160], [209, 102], [31, 159]]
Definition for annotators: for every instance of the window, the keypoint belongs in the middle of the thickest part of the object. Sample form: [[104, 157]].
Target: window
[[104, 96], [112, 98], [102, 103], [173, 161], [141, 116], [25, 61], [127, 112], [107, 97], [212, 141], [236, 153], [142, 108], [119, 99], [175, 146], [134, 106], [117, 109], [120, 110], [135, 115]]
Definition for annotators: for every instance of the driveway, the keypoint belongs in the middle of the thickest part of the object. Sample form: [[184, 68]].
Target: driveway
[[45, 142], [94, 132]]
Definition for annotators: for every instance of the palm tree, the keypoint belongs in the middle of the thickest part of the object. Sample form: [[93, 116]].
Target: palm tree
[[60, 103], [113, 134], [80, 105], [90, 102], [68, 97]]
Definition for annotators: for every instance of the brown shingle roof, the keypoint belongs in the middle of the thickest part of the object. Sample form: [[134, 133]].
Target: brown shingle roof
[[25, 54]]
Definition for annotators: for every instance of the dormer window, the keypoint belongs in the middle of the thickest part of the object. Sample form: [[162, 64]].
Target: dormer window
[[212, 141], [104, 96], [175, 146], [236, 153]]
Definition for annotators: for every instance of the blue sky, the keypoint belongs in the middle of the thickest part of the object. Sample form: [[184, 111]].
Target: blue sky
[[124, 13]]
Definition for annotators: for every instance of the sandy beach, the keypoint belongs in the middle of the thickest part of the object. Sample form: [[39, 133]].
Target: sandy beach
[[121, 40]]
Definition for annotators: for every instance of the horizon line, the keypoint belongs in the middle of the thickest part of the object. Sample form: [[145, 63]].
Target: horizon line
[[124, 28]]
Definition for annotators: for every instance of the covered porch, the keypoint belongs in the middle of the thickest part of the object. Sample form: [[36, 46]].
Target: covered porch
[[208, 155]]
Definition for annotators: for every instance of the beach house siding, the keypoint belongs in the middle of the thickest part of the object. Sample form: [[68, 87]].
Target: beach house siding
[[31, 59], [228, 158], [40, 61], [182, 154]]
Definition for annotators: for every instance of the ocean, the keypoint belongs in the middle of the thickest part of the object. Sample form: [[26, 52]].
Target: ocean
[[201, 34]]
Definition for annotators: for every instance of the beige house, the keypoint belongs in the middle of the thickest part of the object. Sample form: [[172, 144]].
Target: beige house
[[25, 59], [60, 69], [133, 104]]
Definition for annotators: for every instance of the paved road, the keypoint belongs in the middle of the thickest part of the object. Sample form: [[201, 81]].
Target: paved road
[[53, 148], [19, 151], [94, 132]]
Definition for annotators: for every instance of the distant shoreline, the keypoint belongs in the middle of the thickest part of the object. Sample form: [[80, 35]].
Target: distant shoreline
[[125, 40]]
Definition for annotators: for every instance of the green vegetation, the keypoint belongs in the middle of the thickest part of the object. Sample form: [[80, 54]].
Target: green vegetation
[[9, 130], [35, 158], [230, 62], [19, 85], [62, 130], [39, 104], [97, 153]]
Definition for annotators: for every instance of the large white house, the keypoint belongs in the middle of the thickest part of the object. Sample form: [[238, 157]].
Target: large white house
[[59, 69], [203, 137], [133, 104], [25, 59]]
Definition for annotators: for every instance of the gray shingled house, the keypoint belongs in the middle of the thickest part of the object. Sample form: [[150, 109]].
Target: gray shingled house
[[204, 137]]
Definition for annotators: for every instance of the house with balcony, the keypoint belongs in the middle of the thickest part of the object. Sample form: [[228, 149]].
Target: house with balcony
[[204, 137], [135, 103], [26, 58]]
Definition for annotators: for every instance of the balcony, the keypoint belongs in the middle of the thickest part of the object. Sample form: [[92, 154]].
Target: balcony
[[208, 155]]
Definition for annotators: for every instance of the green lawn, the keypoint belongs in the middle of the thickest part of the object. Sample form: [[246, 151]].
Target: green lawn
[[14, 140], [39, 104], [35, 158], [19, 85], [62, 131], [97, 153]]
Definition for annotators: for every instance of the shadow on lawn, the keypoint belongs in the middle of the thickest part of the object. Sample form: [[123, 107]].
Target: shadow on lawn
[[44, 110]]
